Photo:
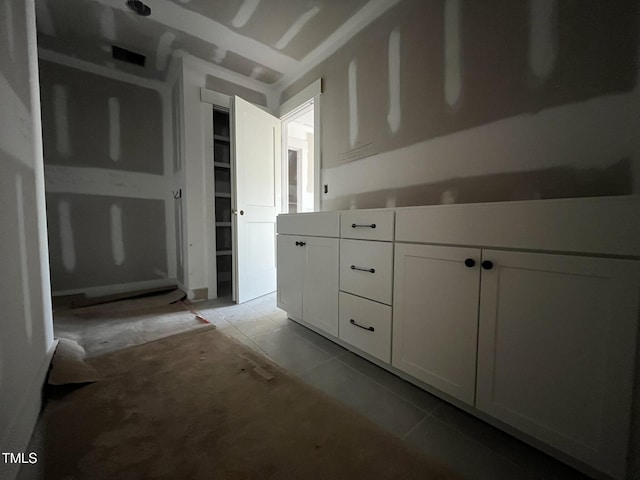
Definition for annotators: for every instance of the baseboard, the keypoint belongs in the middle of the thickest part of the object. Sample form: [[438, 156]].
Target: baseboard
[[105, 290], [19, 433]]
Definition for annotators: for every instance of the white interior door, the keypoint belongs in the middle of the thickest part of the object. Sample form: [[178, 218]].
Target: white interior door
[[257, 148]]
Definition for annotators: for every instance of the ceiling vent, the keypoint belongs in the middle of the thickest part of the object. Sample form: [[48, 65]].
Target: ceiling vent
[[128, 56], [138, 7]]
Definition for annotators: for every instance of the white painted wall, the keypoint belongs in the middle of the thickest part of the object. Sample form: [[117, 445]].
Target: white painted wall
[[26, 326]]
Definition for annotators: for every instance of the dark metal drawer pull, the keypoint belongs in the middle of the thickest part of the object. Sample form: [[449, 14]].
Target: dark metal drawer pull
[[353, 322], [355, 225], [371, 270]]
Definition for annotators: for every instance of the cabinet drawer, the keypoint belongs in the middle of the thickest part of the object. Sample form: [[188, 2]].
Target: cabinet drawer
[[366, 325], [317, 224], [366, 269], [367, 224]]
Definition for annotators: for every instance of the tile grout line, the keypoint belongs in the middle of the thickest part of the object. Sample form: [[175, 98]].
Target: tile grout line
[[422, 409], [411, 430]]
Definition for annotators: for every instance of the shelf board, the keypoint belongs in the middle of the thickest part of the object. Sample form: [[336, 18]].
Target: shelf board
[[223, 224], [222, 138], [223, 195], [222, 164], [219, 253]]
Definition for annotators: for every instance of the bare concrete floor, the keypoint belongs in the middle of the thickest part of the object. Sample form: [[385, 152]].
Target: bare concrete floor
[[468, 446], [106, 328]]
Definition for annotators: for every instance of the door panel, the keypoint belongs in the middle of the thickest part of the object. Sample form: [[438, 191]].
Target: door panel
[[291, 258], [320, 284], [435, 316], [257, 144], [555, 350]]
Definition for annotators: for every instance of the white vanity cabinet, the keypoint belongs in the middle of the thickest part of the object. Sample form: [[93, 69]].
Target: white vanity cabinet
[[308, 250], [556, 332], [522, 313]]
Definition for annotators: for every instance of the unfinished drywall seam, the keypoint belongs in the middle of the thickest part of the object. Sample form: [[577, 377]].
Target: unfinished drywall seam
[[85, 66], [367, 14], [245, 12], [26, 282], [219, 55], [394, 115], [66, 236], [45, 20], [452, 51], [105, 182], [257, 71], [197, 66], [108, 24], [353, 103], [60, 110], [296, 27], [598, 129], [184, 20], [164, 50], [114, 128], [543, 37], [117, 240], [8, 15]]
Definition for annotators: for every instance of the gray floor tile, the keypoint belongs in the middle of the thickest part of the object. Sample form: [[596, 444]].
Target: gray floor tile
[[318, 340], [252, 326], [365, 396], [233, 332], [279, 317], [406, 390], [464, 455], [290, 351], [537, 464]]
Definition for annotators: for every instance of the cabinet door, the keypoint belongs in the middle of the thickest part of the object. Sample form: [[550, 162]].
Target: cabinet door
[[556, 351], [290, 272], [435, 316], [320, 284]]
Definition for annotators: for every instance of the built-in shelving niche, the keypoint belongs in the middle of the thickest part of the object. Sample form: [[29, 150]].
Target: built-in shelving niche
[[223, 192]]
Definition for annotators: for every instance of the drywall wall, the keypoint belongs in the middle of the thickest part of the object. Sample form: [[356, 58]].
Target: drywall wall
[[26, 338], [451, 101], [108, 181], [229, 88]]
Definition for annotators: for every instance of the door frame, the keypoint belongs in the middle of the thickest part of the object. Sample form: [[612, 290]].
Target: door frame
[[293, 107]]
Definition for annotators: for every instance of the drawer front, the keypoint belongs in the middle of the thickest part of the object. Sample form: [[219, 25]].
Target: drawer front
[[360, 224], [317, 224], [366, 269], [366, 325]]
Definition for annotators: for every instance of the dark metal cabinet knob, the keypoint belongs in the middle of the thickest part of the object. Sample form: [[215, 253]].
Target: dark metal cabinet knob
[[297, 244], [470, 263], [302, 244], [487, 264]]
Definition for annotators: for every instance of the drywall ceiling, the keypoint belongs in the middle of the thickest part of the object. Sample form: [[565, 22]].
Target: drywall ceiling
[[270, 42]]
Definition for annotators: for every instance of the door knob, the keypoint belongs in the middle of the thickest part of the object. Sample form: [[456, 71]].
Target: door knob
[[235, 212], [487, 264]]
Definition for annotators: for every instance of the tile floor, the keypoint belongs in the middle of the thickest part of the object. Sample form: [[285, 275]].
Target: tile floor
[[468, 446]]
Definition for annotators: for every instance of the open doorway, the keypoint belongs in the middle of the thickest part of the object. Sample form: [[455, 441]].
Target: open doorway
[[298, 172]]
